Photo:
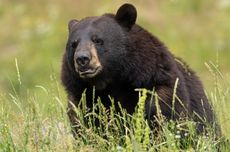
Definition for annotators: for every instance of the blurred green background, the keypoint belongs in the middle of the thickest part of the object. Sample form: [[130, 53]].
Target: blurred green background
[[35, 33]]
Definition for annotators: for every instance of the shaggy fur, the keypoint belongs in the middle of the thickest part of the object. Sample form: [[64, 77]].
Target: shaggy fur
[[131, 58]]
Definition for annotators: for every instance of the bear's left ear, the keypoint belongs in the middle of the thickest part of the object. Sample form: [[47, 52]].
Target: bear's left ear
[[126, 15], [71, 24]]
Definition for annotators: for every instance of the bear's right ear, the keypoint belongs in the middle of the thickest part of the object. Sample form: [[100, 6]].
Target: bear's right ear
[[71, 24], [126, 15]]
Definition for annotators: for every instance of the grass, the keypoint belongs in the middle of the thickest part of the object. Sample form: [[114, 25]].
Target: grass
[[33, 103], [33, 127], [29, 124]]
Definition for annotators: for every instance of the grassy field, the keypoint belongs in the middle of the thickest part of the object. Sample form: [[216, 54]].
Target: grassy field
[[33, 103]]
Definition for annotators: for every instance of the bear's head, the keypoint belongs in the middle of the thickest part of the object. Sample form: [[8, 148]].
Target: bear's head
[[97, 45]]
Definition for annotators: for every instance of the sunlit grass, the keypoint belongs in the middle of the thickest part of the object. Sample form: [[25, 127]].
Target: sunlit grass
[[28, 125], [32, 123]]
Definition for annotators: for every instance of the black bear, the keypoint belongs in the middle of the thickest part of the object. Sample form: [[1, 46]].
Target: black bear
[[115, 55]]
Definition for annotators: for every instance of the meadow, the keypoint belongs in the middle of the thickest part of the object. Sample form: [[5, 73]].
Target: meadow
[[33, 103]]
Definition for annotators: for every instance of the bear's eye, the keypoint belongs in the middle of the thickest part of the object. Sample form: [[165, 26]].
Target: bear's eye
[[74, 44], [97, 40]]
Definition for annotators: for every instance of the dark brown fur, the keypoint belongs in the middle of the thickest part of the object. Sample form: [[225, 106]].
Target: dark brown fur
[[133, 58]]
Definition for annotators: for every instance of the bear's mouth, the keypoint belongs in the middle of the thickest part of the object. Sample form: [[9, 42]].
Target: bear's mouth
[[89, 73]]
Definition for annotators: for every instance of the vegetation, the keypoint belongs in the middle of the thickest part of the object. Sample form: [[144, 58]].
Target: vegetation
[[33, 103]]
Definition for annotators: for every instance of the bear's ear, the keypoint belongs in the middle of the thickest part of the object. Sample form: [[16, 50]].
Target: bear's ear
[[126, 15], [71, 24]]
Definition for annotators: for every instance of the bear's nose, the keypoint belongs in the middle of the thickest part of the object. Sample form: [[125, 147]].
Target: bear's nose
[[83, 60]]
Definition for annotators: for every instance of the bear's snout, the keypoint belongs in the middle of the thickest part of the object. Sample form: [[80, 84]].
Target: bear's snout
[[87, 63], [83, 59]]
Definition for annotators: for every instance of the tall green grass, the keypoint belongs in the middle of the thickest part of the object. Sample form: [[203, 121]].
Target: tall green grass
[[27, 123]]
